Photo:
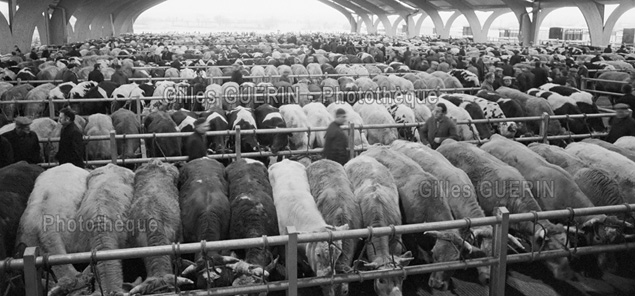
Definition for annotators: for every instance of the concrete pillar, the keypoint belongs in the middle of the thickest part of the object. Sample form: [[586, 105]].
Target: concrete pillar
[[26, 18], [395, 25], [593, 13], [61, 31], [43, 28], [12, 9], [364, 14], [381, 15], [5, 35], [490, 20], [609, 26], [432, 12], [410, 25], [420, 23], [444, 33]]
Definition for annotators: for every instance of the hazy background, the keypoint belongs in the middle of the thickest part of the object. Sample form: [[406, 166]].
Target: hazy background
[[206, 16]]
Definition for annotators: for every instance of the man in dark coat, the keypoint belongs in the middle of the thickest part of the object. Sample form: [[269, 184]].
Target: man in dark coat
[[622, 124], [119, 77], [71, 147], [6, 152], [335, 140], [70, 75], [95, 74], [438, 128], [24, 143], [195, 144], [541, 75], [515, 59]]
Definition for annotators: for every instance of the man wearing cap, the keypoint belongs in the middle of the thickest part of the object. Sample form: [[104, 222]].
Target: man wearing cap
[[335, 140], [119, 77], [70, 75], [24, 143], [71, 147], [508, 81], [95, 74], [6, 152], [622, 124], [498, 78], [488, 83], [438, 128], [195, 146], [628, 98]]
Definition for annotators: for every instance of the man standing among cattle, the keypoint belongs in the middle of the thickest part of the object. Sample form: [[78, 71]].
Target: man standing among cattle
[[335, 140], [24, 143], [6, 152], [71, 147], [195, 143], [438, 128], [622, 124]]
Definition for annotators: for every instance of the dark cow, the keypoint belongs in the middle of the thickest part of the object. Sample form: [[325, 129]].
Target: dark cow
[[126, 123], [109, 87], [25, 75], [155, 206], [217, 120], [244, 118], [161, 122], [205, 215], [562, 105], [583, 100], [253, 215], [148, 91], [268, 117], [511, 108], [89, 90], [475, 112], [16, 183], [467, 78]]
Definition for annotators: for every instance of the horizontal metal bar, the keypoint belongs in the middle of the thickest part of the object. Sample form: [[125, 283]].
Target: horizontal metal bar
[[129, 253], [603, 80]]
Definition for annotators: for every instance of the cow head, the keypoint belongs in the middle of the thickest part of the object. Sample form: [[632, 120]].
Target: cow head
[[321, 256], [507, 129], [449, 246], [387, 286], [553, 237]]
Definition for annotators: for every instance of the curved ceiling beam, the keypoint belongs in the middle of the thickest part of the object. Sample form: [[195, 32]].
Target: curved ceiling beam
[[343, 11], [613, 18], [126, 15], [491, 18], [433, 13], [380, 13], [5, 35], [25, 20], [420, 22], [370, 28], [472, 19]]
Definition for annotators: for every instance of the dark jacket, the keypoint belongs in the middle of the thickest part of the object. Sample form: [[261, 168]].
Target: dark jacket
[[444, 129], [26, 147], [515, 59], [621, 127], [69, 75], [336, 144], [71, 148], [96, 75], [541, 77], [628, 99], [6, 152], [195, 146], [119, 78]]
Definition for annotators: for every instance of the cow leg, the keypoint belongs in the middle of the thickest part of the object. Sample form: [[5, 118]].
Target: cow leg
[[69, 279]]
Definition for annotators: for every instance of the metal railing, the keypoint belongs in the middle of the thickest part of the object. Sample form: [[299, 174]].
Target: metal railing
[[584, 87], [32, 263], [238, 154]]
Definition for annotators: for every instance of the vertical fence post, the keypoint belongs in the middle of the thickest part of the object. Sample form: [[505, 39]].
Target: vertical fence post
[[351, 140], [32, 275], [544, 127], [583, 83], [292, 261], [237, 143], [139, 111], [498, 271], [51, 109], [113, 147]]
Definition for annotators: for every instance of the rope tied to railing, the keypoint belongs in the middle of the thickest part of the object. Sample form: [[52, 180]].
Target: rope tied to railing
[[204, 257], [331, 257], [569, 222], [93, 267], [176, 249], [533, 233], [369, 241], [10, 284]]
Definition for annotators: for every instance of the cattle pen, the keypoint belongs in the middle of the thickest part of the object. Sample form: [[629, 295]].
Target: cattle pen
[[33, 262]]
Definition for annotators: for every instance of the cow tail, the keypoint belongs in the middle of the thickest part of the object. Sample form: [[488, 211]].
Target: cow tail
[[157, 265]]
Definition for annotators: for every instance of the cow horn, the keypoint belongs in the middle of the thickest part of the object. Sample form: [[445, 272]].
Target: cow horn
[[629, 237], [189, 270], [272, 264], [575, 230], [515, 241], [593, 221], [433, 233], [183, 281], [615, 221]]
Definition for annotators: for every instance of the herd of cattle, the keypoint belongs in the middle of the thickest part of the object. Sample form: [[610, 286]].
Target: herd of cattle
[[300, 97], [67, 209], [396, 181]]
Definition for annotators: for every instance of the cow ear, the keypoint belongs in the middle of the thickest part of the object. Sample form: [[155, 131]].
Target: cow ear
[[405, 258]]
